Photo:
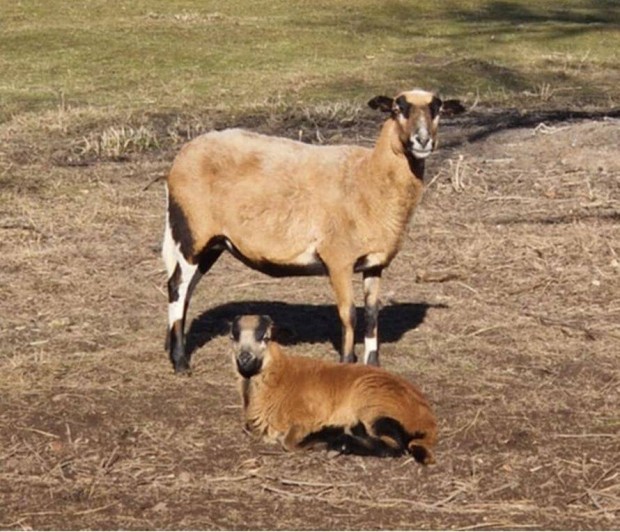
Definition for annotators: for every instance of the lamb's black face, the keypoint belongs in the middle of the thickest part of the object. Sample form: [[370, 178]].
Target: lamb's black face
[[250, 335]]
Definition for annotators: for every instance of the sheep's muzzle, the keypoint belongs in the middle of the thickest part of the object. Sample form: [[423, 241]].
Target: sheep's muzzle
[[248, 365]]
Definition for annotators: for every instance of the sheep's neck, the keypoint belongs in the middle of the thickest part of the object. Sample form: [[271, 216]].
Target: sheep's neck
[[390, 157], [399, 176], [272, 374]]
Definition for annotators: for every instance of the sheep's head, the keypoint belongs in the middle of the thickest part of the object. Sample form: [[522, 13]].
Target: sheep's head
[[250, 335], [416, 114]]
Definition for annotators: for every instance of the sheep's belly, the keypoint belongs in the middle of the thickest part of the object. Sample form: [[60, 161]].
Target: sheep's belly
[[306, 263], [370, 261]]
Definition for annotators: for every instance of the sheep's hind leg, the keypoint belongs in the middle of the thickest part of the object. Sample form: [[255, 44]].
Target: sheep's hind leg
[[181, 285], [178, 291], [334, 438], [393, 429], [359, 442], [372, 280]]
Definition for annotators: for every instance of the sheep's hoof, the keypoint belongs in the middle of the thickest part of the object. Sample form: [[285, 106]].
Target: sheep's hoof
[[349, 359], [182, 367], [422, 454], [372, 359]]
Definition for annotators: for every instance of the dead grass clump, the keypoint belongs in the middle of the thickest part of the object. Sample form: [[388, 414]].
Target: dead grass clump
[[116, 143]]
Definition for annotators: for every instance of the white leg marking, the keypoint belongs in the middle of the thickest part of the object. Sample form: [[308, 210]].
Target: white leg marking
[[370, 345], [176, 308], [171, 253]]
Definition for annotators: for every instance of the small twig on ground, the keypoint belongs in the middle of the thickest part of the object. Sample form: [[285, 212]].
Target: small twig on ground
[[465, 427], [503, 487], [229, 479], [468, 287], [594, 499], [553, 322], [292, 482], [500, 525], [548, 130], [586, 435], [95, 510], [252, 283], [42, 432], [152, 182], [449, 498], [457, 175]]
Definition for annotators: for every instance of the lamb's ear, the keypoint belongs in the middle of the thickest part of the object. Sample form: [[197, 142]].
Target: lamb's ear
[[265, 327], [383, 103], [233, 328], [452, 107]]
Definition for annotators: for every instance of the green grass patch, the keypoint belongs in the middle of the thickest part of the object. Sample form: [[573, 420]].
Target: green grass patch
[[143, 54]]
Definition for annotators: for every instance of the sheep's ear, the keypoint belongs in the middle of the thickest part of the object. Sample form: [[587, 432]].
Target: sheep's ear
[[452, 107], [383, 103], [265, 326]]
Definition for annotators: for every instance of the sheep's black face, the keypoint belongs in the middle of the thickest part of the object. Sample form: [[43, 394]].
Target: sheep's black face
[[250, 335]]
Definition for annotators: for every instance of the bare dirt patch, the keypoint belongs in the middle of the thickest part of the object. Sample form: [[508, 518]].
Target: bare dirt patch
[[504, 306]]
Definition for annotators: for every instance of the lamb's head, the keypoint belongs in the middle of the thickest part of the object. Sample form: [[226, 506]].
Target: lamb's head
[[250, 335], [416, 114]]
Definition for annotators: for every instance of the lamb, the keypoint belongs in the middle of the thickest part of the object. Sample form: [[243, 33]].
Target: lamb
[[306, 403], [288, 208]]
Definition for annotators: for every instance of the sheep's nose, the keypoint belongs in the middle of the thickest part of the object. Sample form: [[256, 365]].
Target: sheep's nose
[[422, 140], [244, 358], [248, 365]]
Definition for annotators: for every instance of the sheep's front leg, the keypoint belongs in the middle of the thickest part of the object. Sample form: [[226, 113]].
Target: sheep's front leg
[[372, 279], [342, 284]]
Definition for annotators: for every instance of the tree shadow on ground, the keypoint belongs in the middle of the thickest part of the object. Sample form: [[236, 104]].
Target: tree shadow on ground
[[301, 323], [591, 16], [477, 125]]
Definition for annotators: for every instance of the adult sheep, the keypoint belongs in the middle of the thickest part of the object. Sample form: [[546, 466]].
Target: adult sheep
[[288, 208]]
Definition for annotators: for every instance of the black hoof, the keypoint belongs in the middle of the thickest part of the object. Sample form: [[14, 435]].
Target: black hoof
[[373, 359], [182, 367], [349, 359]]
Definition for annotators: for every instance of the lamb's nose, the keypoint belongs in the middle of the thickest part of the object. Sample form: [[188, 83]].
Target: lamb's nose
[[244, 358]]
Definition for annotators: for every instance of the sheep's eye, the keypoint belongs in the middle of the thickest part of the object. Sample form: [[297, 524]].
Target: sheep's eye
[[403, 106], [435, 106]]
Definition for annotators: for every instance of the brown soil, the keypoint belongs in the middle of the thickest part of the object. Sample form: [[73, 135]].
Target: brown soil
[[503, 306]]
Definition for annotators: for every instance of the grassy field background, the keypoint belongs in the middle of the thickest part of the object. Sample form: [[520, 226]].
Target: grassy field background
[[235, 54], [503, 305]]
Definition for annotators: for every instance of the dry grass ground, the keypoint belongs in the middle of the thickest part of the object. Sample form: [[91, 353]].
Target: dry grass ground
[[504, 306]]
